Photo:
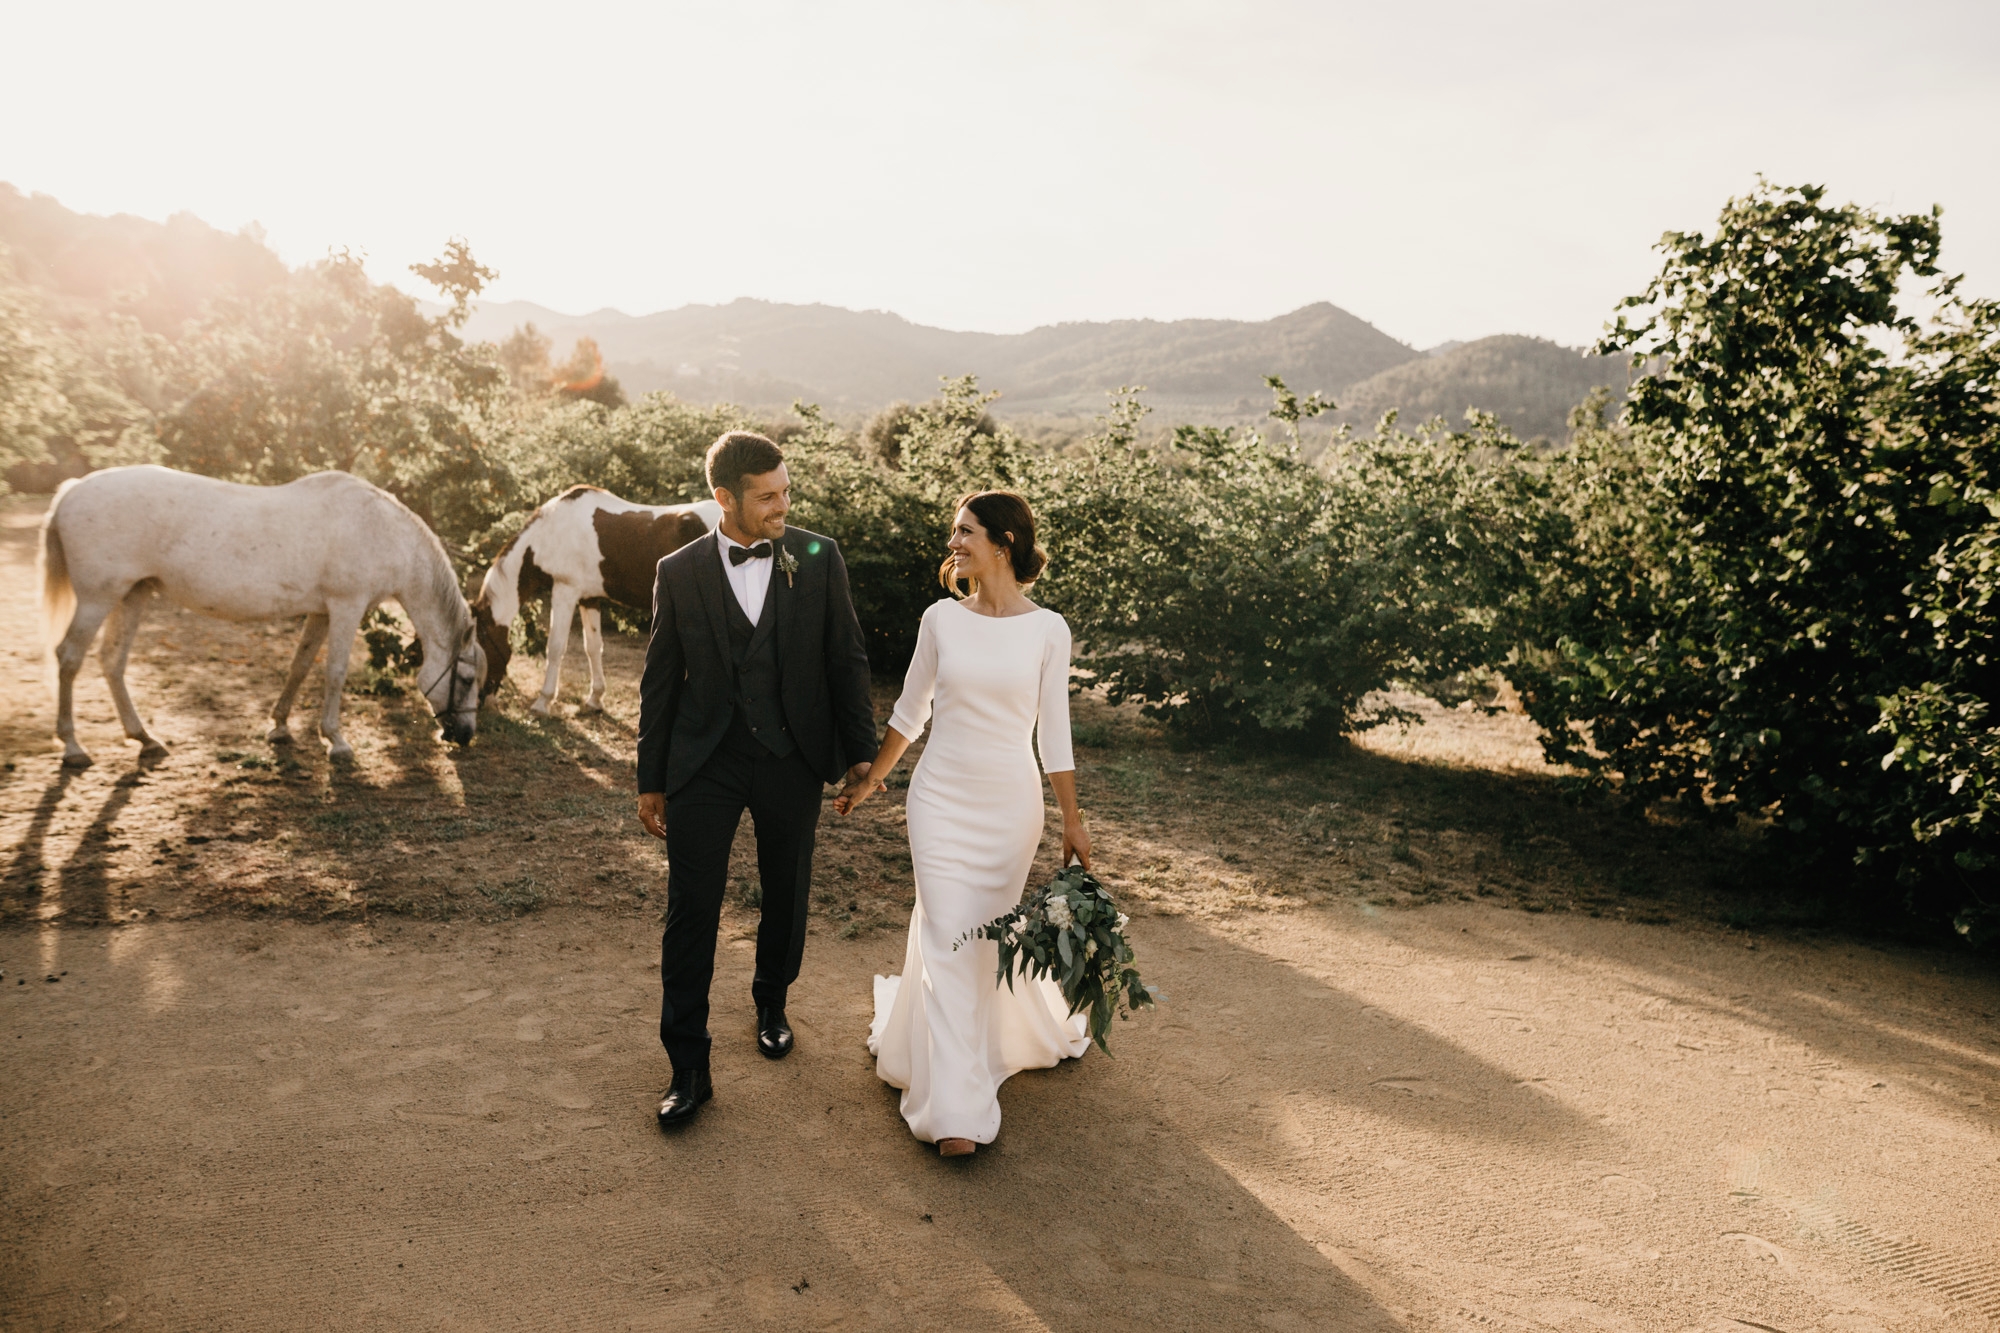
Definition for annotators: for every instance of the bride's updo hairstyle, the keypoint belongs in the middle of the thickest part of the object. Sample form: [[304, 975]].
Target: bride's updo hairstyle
[[1009, 523]]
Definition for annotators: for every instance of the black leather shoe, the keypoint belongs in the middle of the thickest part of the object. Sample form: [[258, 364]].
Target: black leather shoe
[[774, 1034], [685, 1095]]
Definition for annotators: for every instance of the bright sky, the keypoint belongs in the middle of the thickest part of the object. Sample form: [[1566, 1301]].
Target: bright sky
[[1444, 170]]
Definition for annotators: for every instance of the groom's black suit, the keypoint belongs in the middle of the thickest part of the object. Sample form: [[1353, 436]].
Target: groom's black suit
[[736, 717]]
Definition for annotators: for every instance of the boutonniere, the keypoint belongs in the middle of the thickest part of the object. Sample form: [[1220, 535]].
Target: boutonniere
[[787, 562]]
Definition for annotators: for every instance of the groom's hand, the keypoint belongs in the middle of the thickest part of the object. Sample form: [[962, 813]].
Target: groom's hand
[[857, 790], [653, 813]]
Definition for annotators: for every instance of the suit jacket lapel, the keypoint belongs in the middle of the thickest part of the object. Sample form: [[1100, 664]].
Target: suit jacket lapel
[[781, 600], [714, 587]]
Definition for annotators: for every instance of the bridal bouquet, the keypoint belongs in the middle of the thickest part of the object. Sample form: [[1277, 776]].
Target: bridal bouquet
[[1070, 931]]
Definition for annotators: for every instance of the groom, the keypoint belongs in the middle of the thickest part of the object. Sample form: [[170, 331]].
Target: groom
[[755, 695]]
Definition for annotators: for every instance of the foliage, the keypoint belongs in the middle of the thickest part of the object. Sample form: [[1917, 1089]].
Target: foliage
[[389, 651], [951, 446], [887, 429], [1070, 932], [1783, 565], [31, 402], [1233, 589], [524, 354], [333, 371], [71, 386], [650, 452], [889, 532], [891, 517]]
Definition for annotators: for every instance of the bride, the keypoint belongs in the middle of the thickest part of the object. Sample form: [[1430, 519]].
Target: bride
[[989, 668]]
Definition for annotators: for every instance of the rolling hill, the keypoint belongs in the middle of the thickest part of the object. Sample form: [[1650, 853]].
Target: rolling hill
[[1529, 383], [161, 273], [766, 354], [763, 354]]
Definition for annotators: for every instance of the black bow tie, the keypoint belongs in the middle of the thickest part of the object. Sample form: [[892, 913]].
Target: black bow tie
[[738, 554]]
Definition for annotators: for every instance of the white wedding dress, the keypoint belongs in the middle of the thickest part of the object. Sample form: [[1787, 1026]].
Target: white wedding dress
[[946, 1031]]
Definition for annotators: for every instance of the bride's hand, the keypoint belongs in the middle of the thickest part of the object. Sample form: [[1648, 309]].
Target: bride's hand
[[855, 792], [1075, 842]]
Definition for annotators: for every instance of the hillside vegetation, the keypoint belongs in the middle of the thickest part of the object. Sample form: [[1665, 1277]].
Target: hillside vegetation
[[160, 274], [1530, 384]]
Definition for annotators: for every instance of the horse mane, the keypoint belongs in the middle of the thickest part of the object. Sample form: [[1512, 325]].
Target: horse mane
[[444, 591], [437, 582]]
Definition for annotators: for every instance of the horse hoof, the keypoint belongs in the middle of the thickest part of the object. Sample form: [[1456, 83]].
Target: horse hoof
[[342, 753], [539, 708], [77, 759], [279, 736], [152, 752], [588, 709]]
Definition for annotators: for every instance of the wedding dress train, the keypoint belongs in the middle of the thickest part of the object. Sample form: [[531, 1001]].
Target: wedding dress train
[[945, 1031]]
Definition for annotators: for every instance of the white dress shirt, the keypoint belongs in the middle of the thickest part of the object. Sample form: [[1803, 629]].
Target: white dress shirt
[[751, 580]]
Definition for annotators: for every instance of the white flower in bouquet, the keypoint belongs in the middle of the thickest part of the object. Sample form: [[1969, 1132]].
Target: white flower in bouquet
[[1059, 914], [1122, 919], [1090, 948]]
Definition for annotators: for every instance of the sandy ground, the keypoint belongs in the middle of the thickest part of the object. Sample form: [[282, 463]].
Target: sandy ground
[[1354, 1112]]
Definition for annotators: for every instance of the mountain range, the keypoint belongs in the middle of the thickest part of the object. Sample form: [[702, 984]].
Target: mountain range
[[763, 354], [766, 354]]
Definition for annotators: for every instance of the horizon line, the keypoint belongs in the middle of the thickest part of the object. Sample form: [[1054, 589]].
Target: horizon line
[[986, 333]]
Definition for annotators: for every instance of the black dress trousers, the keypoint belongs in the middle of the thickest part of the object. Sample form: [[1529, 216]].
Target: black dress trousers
[[783, 796]]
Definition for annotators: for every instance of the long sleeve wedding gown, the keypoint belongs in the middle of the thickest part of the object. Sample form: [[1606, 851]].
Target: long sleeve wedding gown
[[945, 1031]]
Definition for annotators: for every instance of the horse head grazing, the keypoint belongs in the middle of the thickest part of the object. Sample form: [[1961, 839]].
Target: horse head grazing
[[455, 691], [496, 643], [452, 672]]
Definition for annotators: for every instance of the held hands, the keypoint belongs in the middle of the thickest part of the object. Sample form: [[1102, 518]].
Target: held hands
[[858, 789]]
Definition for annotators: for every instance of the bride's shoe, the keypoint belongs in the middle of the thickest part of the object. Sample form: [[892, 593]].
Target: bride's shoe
[[956, 1147]]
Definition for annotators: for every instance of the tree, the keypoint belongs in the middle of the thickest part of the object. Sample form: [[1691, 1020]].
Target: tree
[[524, 355], [583, 377], [333, 371], [1772, 591], [887, 429], [72, 389], [31, 403]]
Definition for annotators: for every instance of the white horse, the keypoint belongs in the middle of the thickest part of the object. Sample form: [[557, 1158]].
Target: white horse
[[328, 547], [582, 547]]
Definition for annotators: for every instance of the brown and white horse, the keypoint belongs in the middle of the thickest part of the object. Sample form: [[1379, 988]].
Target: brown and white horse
[[328, 547], [582, 548]]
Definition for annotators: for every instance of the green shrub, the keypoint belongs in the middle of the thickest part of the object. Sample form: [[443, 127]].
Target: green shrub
[[1773, 588], [1233, 589]]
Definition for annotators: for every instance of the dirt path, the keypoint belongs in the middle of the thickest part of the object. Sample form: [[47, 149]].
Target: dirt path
[[1454, 1118], [1349, 1116]]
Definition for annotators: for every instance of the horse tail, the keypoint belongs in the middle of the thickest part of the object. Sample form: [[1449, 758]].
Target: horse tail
[[58, 595]]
